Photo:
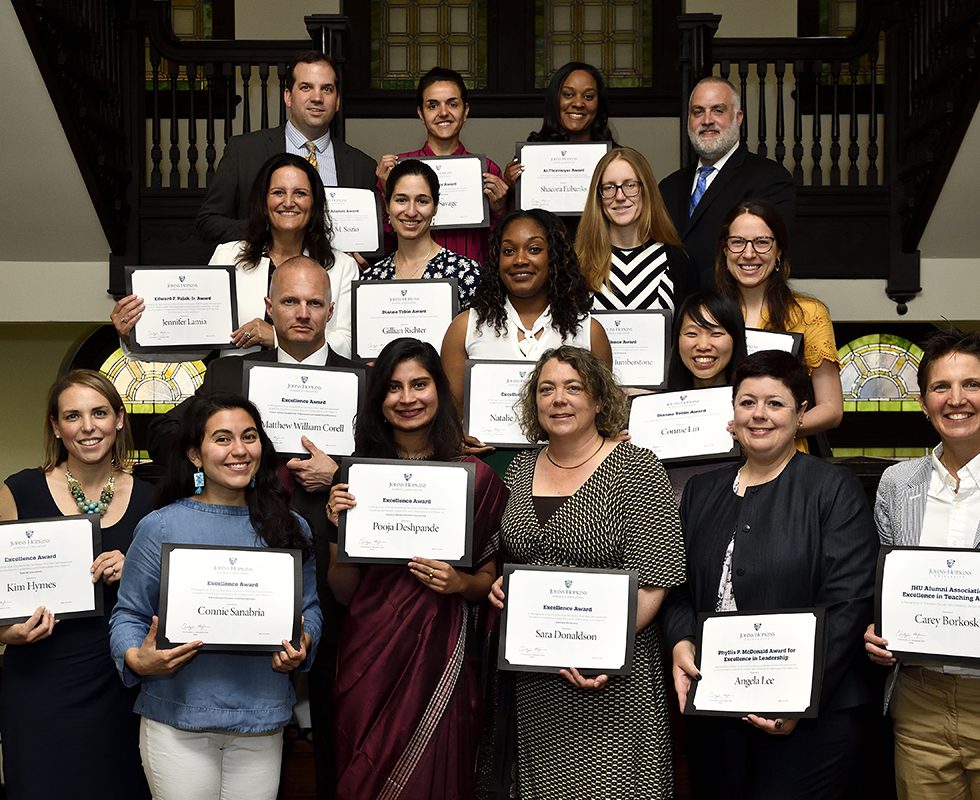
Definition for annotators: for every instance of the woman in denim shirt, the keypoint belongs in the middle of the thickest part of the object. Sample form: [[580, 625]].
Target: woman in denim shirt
[[212, 722]]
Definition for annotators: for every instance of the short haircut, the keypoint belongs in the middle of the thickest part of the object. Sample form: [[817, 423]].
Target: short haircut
[[776, 364], [942, 343], [599, 383], [298, 262], [728, 316], [736, 98], [435, 75], [54, 449], [310, 57], [412, 166]]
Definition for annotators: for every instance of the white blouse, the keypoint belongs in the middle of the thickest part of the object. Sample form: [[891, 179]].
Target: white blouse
[[485, 343]]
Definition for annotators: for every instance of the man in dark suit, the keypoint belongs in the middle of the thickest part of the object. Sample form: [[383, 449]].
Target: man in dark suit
[[300, 307], [312, 96], [698, 197]]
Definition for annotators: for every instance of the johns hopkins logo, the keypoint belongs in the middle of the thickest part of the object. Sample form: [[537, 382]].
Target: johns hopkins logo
[[757, 625], [404, 292], [683, 397], [563, 152], [181, 278], [950, 562], [333, 195], [232, 561], [568, 584], [29, 534], [407, 476], [304, 378], [619, 322], [522, 373]]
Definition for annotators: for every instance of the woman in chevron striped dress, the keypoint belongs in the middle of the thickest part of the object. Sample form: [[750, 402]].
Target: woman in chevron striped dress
[[627, 246]]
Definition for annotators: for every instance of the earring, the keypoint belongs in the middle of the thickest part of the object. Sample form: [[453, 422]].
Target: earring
[[198, 481], [251, 483], [779, 263]]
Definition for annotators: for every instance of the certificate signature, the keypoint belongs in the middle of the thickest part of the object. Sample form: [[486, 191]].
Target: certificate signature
[[198, 629]]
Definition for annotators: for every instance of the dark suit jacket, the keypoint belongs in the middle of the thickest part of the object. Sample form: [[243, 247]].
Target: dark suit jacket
[[805, 539], [744, 175], [225, 375], [224, 213]]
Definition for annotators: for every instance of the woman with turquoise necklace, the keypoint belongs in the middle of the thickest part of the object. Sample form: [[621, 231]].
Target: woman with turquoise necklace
[[60, 693]]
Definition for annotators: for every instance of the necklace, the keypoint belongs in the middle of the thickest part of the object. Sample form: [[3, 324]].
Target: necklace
[[416, 456], [428, 257], [562, 466], [85, 505]]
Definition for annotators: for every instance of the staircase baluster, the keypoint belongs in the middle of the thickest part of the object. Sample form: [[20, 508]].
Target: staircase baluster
[[264, 83], [835, 125], [816, 148], [798, 78], [192, 178], [780, 151], [156, 151], [761, 68]]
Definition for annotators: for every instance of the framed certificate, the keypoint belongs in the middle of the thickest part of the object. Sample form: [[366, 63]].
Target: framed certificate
[[927, 603], [640, 342], [185, 307], [319, 403], [355, 218], [768, 663], [560, 617], [462, 203], [407, 508], [383, 311], [246, 599], [557, 175], [47, 562], [757, 339], [685, 426], [490, 394]]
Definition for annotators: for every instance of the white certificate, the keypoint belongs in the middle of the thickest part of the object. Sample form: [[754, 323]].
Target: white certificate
[[491, 392], [231, 598], [462, 203], [928, 603], [557, 175], [558, 617], [757, 339], [319, 403], [768, 663], [405, 509], [356, 220], [46, 562], [185, 307], [387, 310], [639, 341], [692, 424]]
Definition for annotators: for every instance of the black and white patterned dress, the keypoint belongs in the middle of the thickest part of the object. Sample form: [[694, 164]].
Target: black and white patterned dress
[[444, 264], [650, 276], [574, 744]]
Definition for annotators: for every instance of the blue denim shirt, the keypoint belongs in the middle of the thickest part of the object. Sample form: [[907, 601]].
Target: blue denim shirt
[[237, 692]]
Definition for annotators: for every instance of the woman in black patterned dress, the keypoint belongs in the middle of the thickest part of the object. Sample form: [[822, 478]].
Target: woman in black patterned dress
[[586, 500]]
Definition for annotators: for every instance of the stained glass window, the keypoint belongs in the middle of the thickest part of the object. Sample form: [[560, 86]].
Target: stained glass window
[[878, 373], [409, 37], [613, 35]]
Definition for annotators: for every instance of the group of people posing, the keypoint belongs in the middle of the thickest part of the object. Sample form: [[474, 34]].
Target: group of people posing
[[407, 704]]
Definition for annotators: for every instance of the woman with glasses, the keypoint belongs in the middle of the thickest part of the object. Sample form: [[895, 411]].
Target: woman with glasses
[[752, 268], [627, 246]]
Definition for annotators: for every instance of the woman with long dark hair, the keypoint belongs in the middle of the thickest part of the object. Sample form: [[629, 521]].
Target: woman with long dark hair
[[708, 342], [407, 700], [212, 722]]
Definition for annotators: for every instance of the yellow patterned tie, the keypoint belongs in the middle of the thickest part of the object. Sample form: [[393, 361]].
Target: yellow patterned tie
[[311, 146]]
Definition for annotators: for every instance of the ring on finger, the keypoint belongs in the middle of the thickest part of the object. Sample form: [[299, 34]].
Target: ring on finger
[[248, 334], [431, 573], [125, 320]]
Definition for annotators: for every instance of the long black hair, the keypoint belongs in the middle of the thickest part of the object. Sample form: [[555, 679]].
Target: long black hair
[[568, 293], [726, 314], [551, 129], [268, 505], [258, 236], [373, 434]]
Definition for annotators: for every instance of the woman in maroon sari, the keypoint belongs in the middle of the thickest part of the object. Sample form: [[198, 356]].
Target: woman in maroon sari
[[407, 696]]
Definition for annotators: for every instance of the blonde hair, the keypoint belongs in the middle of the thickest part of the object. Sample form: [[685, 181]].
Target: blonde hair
[[592, 243], [54, 449]]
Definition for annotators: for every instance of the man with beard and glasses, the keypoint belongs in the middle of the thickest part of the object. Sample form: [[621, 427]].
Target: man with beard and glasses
[[699, 195]]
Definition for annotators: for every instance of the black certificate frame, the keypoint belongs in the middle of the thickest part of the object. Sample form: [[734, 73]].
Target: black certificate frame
[[627, 665], [668, 316], [343, 557], [380, 249], [796, 346], [164, 643], [135, 347], [395, 284], [473, 363], [816, 685], [733, 454], [485, 222], [938, 658], [97, 588], [359, 372], [519, 146]]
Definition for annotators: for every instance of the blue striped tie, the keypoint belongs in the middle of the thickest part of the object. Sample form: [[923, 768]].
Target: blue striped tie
[[703, 173]]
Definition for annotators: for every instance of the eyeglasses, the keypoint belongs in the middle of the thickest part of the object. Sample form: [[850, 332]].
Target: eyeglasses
[[761, 244], [607, 191]]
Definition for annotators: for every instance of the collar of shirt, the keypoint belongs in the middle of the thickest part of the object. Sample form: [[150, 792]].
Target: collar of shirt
[[717, 168], [428, 151], [317, 358], [542, 322], [943, 484], [298, 141]]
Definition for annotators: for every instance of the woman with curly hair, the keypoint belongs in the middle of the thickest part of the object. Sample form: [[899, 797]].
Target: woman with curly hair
[[532, 298], [286, 218]]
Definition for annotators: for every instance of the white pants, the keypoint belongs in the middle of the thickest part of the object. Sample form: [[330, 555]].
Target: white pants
[[209, 765]]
